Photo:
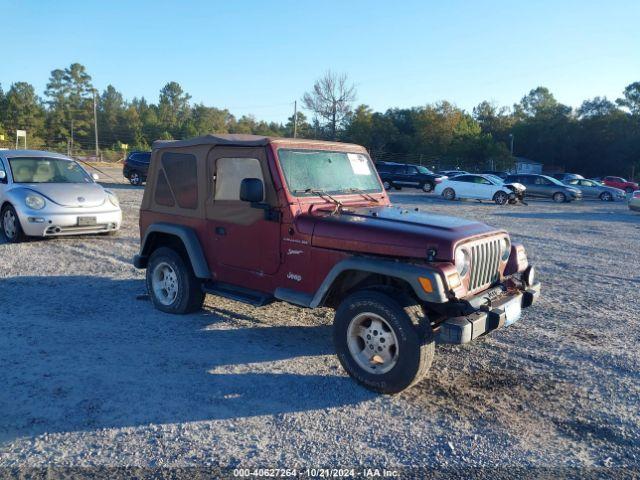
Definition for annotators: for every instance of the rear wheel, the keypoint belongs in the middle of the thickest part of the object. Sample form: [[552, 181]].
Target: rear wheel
[[386, 185], [427, 187], [171, 283], [135, 178], [11, 227], [559, 197], [449, 194], [384, 343], [501, 198], [606, 197]]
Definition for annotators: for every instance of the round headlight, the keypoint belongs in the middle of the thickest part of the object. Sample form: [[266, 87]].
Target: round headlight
[[34, 202], [506, 249], [463, 261]]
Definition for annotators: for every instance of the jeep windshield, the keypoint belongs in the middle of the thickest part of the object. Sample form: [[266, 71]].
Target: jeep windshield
[[309, 171], [47, 170]]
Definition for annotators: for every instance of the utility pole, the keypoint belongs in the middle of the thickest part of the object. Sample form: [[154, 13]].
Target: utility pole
[[295, 118], [95, 125], [71, 152], [511, 138]]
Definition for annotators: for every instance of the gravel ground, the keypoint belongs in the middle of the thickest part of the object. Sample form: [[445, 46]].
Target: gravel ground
[[92, 376]]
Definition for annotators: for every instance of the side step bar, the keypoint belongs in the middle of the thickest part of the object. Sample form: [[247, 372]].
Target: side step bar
[[239, 294]]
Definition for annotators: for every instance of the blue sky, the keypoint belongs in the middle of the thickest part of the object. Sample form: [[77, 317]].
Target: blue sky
[[259, 56]]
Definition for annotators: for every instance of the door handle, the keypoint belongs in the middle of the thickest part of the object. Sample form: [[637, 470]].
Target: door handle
[[221, 231]]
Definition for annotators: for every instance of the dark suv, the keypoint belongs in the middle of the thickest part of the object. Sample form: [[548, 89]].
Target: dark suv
[[260, 219], [398, 175], [136, 167]]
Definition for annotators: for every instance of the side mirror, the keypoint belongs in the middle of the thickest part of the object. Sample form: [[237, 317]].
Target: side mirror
[[252, 190], [95, 177], [3, 176]]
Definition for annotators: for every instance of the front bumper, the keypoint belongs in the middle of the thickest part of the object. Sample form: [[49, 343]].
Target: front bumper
[[36, 223], [490, 313]]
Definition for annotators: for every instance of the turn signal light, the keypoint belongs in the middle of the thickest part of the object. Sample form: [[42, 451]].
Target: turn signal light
[[426, 285]]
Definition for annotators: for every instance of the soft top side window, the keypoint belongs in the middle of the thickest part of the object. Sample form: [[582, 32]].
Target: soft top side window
[[229, 175]]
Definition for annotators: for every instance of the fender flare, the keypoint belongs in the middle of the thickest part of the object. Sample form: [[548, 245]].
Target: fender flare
[[189, 239], [403, 271]]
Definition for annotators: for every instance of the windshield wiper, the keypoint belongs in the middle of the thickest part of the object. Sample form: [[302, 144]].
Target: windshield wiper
[[361, 192], [324, 195]]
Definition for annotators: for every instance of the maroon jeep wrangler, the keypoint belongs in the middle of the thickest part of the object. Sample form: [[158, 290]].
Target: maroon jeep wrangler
[[259, 219]]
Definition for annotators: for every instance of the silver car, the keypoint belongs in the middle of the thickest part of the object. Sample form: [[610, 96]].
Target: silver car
[[594, 189], [45, 194]]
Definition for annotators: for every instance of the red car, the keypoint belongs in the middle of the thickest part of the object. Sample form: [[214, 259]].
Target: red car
[[260, 219], [619, 182]]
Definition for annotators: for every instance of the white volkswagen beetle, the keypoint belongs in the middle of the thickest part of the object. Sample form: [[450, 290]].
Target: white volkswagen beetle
[[480, 187], [45, 194]]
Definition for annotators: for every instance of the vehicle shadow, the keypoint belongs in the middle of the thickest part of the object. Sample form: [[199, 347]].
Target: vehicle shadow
[[81, 353], [121, 186]]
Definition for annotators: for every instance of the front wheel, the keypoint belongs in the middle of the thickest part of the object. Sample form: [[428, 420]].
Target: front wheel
[[606, 197], [449, 194], [501, 198], [171, 283], [11, 225], [385, 344], [559, 197]]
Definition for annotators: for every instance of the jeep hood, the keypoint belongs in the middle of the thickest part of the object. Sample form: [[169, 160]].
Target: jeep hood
[[70, 194], [392, 231]]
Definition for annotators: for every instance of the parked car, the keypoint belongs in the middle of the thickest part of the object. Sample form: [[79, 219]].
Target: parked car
[[634, 201], [621, 183], [496, 173], [136, 167], [259, 219], [451, 173], [565, 177], [481, 187], [45, 194], [593, 189], [398, 175], [542, 186]]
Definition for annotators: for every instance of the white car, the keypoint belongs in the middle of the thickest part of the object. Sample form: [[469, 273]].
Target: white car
[[45, 194], [480, 187]]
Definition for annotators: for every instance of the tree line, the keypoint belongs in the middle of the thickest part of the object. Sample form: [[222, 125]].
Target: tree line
[[600, 137]]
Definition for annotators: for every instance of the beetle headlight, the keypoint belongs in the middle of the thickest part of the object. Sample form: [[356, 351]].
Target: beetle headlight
[[505, 246], [34, 202], [113, 199], [462, 261]]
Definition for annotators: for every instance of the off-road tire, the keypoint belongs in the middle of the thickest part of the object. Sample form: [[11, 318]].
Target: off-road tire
[[606, 197], [559, 197], [189, 297], [501, 198], [449, 193], [427, 187], [416, 345], [18, 234]]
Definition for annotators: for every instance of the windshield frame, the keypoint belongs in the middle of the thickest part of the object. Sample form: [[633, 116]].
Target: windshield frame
[[87, 175], [555, 181], [306, 194]]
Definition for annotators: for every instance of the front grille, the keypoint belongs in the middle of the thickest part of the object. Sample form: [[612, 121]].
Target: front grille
[[485, 263]]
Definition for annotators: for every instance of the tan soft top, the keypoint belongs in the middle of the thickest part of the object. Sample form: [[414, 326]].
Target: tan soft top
[[242, 140]]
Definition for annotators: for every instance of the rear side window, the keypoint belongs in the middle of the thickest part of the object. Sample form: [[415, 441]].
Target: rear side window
[[229, 175], [177, 181]]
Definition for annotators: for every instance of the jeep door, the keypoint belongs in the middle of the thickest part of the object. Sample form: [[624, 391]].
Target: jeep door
[[241, 234]]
